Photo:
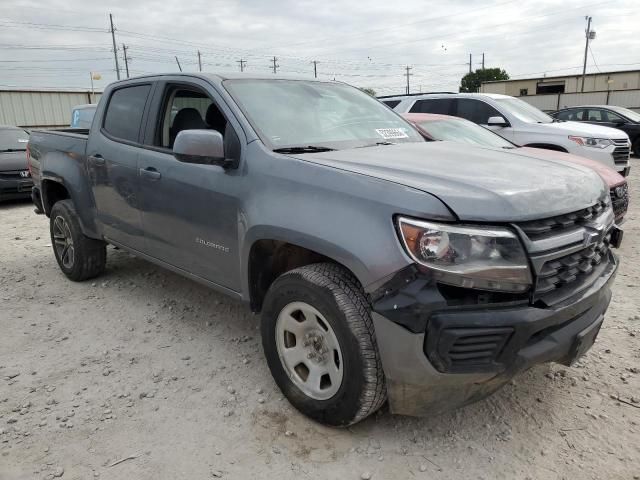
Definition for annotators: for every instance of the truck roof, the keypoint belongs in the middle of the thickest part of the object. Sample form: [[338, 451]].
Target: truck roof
[[220, 76]]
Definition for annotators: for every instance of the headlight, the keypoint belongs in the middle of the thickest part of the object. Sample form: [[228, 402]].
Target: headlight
[[591, 142], [470, 257]]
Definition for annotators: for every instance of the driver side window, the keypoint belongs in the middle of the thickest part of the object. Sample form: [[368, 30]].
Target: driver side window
[[187, 109]]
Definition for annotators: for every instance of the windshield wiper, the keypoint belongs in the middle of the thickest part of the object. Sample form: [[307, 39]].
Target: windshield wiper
[[13, 150], [307, 149], [376, 144]]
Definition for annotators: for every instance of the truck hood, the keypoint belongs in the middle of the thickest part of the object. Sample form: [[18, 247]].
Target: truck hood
[[609, 175], [580, 129], [13, 161], [477, 184]]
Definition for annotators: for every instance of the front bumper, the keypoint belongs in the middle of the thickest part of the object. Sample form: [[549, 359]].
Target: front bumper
[[425, 375], [14, 188]]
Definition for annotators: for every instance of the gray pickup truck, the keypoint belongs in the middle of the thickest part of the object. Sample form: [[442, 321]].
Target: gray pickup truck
[[385, 266]]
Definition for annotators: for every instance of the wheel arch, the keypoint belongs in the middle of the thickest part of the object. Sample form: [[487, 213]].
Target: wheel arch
[[271, 252]]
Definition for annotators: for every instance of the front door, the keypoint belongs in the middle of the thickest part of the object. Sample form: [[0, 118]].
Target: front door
[[190, 211], [112, 159]]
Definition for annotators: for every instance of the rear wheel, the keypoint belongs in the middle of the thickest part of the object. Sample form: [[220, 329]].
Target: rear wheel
[[320, 344], [78, 256]]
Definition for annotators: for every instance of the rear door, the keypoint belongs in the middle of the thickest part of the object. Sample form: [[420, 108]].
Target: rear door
[[443, 106], [190, 211], [480, 112], [112, 159]]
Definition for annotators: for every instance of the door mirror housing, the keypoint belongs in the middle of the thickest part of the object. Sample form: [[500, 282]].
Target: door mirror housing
[[497, 122], [204, 147], [620, 122]]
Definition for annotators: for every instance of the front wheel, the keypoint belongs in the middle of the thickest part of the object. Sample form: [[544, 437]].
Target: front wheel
[[320, 344], [78, 256], [636, 147]]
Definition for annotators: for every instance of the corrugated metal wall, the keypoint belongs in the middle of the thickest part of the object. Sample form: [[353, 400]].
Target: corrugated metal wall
[[551, 102], [40, 108]]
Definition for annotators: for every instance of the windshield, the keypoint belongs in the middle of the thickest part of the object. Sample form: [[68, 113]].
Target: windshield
[[630, 114], [464, 131], [294, 113], [523, 111], [12, 139]]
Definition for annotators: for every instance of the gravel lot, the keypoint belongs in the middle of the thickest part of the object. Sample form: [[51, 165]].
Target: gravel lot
[[142, 374]]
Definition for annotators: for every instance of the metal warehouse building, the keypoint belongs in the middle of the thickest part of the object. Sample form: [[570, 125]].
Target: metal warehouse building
[[552, 93], [41, 108]]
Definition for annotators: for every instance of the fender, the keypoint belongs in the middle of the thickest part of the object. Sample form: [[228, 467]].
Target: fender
[[69, 171], [319, 245]]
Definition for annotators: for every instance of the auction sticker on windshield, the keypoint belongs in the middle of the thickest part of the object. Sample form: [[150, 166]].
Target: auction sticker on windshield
[[390, 133]]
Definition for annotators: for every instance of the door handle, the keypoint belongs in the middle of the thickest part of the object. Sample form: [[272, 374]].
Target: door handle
[[150, 173], [97, 160]]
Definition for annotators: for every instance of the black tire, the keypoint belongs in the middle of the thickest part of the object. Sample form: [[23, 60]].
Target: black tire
[[338, 296], [636, 147], [89, 255]]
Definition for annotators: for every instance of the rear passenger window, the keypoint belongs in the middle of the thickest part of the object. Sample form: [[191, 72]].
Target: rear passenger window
[[391, 103], [124, 112], [433, 105], [476, 111]]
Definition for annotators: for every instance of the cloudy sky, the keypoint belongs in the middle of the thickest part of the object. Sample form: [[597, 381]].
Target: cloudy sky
[[56, 43]]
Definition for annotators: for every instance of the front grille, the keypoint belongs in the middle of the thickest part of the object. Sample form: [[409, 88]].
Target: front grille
[[621, 155], [620, 200], [621, 142], [553, 225], [564, 271], [472, 347], [12, 175]]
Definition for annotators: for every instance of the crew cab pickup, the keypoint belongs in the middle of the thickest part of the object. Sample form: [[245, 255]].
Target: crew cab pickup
[[384, 266]]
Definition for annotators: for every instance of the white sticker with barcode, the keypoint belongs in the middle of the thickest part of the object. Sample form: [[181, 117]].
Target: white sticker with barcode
[[390, 133]]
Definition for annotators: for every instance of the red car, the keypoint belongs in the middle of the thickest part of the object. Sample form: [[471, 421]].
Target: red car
[[456, 129]]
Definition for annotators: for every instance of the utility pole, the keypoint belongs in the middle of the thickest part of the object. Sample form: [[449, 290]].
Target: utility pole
[[470, 64], [315, 68], [589, 36], [483, 61], [242, 63], [199, 61], [178, 62], [408, 74], [275, 65], [115, 49], [126, 59]]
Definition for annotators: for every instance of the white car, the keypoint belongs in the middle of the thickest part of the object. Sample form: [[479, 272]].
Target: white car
[[524, 125]]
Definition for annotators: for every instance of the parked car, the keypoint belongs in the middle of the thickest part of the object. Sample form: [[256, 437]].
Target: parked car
[[607, 115], [15, 179], [525, 125], [445, 127], [82, 115], [384, 265]]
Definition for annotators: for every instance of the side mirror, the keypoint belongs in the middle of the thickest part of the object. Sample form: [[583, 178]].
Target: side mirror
[[497, 122], [204, 147], [620, 123]]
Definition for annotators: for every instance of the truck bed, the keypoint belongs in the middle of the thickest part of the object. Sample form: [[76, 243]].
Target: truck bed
[[48, 146]]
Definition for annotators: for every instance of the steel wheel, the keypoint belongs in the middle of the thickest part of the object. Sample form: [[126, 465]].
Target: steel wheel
[[309, 350], [63, 242]]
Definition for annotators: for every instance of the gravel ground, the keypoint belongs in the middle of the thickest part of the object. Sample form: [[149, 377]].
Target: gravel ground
[[142, 374]]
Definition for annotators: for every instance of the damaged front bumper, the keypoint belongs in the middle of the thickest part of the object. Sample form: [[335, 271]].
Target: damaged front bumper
[[437, 358]]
